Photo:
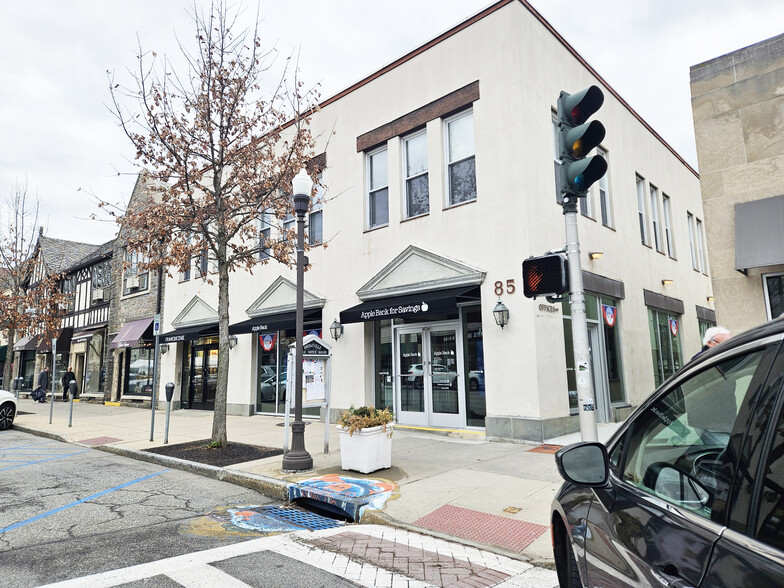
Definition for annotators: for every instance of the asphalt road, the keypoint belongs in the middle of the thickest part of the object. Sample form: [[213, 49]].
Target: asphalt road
[[68, 511]]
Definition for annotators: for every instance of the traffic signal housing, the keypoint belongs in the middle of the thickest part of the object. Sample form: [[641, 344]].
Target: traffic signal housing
[[577, 138], [546, 275]]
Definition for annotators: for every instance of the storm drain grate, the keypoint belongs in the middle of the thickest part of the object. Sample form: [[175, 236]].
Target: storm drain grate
[[300, 518]]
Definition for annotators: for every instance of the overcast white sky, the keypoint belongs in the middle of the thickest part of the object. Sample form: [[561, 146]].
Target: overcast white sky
[[56, 131]]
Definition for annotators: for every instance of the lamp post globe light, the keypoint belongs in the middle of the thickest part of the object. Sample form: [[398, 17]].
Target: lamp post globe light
[[298, 459]]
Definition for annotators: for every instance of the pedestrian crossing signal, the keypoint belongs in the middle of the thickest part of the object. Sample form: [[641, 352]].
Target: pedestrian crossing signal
[[545, 276]]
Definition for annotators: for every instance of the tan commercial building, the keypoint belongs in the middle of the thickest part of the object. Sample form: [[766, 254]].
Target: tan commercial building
[[738, 108], [439, 175]]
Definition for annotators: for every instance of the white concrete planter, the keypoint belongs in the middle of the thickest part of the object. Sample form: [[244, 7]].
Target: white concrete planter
[[367, 450]]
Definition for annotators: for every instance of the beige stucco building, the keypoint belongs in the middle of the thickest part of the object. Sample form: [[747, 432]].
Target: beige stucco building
[[439, 181], [738, 107]]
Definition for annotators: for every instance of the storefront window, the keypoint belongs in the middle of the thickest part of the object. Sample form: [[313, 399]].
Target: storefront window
[[665, 344], [93, 379], [140, 368], [385, 389], [27, 371], [272, 369], [475, 367]]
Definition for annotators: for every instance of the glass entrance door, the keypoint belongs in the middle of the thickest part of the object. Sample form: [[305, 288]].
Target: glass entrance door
[[601, 390], [204, 377], [429, 380]]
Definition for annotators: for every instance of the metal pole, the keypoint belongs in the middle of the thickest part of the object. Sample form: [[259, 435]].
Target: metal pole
[[298, 458], [54, 375], [582, 354], [71, 392], [154, 386]]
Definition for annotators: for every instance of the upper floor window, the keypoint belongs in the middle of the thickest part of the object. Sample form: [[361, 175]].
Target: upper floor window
[[654, 191], [668, 242], [69, 290], [461, 160], [378, 188], [186, 275], [102, 274], [643, 218], [135, 279], [696, 238], [316, 221], [265, 234], [701, 258], [203, 263], [415, 175], [604, 192]]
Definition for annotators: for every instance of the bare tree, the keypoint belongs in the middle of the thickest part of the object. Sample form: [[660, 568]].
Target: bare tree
[[30, 302], [222, 156]]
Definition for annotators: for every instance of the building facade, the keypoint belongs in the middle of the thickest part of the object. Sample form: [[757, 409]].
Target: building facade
[[438, 180], [739, 122]]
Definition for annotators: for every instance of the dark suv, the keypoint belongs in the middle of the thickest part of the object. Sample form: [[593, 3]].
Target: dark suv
[[690, 490]]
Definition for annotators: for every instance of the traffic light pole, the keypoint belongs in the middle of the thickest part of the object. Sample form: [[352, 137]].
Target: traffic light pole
[[582, 354]]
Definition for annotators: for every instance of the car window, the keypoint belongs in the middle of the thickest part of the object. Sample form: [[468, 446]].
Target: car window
[[676, 449], [770, 520]]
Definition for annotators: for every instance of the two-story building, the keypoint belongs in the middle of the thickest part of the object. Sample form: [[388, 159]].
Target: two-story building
[[438, 181]]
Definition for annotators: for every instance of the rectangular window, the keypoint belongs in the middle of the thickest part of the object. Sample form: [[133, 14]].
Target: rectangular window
[[557, 160], [665, 344], [69, 290], [586, 209], [461, 164], [667, 225], [265, 234], [655, 216], [415, 175], [701, 248], [102, 275], [641, 210], [315, 234], [135, 279], [604, 191], [202, 263], [692, 245], [378, 188], [774, 294]]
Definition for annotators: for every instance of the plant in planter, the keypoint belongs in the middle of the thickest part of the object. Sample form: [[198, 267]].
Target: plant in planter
[[366, 439]]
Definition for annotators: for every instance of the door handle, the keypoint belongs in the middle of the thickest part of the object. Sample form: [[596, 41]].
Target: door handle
[[671, 575]]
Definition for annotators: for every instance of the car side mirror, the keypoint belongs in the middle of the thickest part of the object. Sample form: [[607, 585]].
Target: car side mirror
[[584, 464]]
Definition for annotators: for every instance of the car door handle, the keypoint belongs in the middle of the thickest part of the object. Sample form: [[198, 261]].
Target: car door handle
[[670, 573]]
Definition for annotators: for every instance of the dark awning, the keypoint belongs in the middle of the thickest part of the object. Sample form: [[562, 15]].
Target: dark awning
[[421, 304], [27, 343], [86, 334], [188, 333], [131, 332], [274, 322], [63, 341], [759, 240]]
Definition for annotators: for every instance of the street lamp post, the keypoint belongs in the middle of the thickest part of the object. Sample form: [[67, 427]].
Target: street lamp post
[[298, 459]]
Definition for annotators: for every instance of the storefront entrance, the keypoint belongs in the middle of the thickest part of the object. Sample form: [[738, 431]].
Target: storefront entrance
[[429, 380], [203, 376]]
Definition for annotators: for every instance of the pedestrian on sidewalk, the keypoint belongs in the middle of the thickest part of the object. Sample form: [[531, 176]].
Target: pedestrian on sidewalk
[[43, 384], [68, 377]]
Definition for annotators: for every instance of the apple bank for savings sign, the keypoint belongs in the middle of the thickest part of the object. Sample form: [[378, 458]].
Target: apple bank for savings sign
[[394, 311]]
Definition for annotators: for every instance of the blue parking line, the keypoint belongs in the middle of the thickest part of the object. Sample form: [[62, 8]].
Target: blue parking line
[[44, 460], [30, 445], [97, 495]]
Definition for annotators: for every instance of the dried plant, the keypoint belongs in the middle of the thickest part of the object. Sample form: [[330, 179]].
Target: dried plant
[[364, 417]]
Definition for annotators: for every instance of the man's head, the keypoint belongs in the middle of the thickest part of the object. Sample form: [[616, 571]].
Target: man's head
[[715, 335], [46, 369], [70, 368]]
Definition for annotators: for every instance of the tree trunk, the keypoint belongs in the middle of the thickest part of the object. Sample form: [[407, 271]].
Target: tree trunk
[[9, 360], [219, 415]]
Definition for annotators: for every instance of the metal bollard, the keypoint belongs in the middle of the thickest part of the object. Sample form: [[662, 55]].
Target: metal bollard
[[169, 396], [71, 392]]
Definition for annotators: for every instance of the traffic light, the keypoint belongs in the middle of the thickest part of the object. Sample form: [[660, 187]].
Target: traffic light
[[577, 138], [545, 276]]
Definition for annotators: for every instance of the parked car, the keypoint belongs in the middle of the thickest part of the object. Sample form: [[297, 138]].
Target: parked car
[[690, 489], [442, 375], [7, 409]]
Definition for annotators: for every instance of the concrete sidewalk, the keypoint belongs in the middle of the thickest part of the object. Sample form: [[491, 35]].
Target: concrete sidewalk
[[455, 485]]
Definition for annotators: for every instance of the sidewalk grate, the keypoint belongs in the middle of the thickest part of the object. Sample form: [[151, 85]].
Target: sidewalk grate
[[300, 518]]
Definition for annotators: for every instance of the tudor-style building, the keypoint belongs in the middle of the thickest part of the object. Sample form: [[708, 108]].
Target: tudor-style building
[[440, 180]]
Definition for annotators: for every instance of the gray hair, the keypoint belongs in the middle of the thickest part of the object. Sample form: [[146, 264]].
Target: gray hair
[[712, 333]]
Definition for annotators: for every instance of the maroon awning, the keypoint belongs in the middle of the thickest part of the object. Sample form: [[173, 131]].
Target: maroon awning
[[131, 333]]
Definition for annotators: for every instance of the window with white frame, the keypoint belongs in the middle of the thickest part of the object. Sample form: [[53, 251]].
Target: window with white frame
[[203, 263], [701, 257], [69, 291], [461, 160], [654, 192], [378, 188], [586, 205], [265, 234], [136, 279], [641, 210], [415, 178], [604, 191], [316, 220], [186, 275], [773, 285], [102, 274], [692, 243], [667, 211]]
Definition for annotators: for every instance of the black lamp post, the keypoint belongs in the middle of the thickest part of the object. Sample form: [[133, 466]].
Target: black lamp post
[[298, 459]]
